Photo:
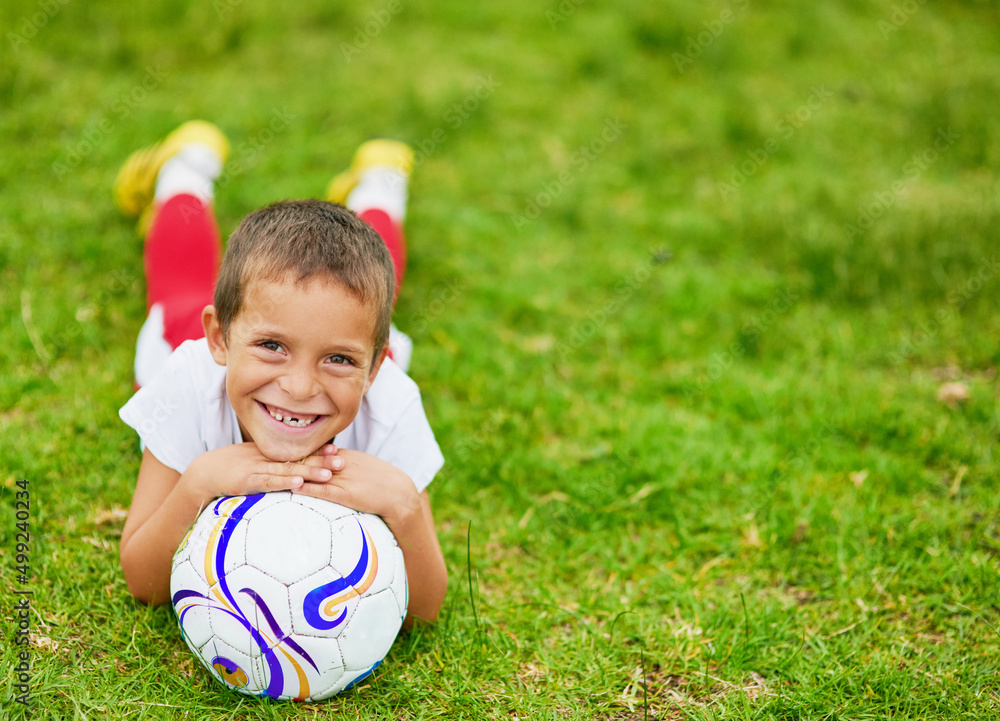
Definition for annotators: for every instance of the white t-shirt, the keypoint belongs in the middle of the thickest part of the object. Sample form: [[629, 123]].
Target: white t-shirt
[[184, 411]]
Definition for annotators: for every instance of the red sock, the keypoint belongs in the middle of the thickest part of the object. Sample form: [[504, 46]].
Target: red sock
[[181, 259], [392, 234]]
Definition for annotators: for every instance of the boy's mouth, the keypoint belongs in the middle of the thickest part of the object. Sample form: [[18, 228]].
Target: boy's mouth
[[290, 418]]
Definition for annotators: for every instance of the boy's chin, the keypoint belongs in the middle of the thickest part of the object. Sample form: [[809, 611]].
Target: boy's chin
[[283, 452]]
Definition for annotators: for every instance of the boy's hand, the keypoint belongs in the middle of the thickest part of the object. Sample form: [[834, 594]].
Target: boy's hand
[[368, 484], [364, 483], [241, 469]]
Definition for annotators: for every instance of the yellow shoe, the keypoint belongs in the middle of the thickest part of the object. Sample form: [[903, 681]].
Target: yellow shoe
[[136, 182], [373, 153]]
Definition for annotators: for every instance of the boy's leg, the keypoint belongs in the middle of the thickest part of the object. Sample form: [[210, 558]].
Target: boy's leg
[[181, 261], [392, 233], [391, 230], [183, 246], [375, 188]]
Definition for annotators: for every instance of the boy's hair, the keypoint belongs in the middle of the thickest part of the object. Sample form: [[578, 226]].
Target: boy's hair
[[306, 238]]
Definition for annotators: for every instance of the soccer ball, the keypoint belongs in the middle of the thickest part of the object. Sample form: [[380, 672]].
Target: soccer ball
[[288, 596]]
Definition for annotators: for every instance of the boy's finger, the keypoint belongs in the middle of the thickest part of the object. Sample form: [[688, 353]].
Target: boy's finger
[[317, 474], [279, 482], [332, 462], [324, 491], [328, 449], [307, 471]]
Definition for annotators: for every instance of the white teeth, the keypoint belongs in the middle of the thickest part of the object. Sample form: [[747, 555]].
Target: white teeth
[[289, 421]]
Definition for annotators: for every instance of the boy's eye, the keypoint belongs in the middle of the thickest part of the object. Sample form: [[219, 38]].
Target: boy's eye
[[340, 360], [271, 345]]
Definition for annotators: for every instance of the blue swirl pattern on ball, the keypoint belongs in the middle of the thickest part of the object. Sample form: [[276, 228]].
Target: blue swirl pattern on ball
[[321, 603]]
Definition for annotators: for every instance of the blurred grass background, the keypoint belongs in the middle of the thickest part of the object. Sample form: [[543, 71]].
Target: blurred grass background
[[686, 281]]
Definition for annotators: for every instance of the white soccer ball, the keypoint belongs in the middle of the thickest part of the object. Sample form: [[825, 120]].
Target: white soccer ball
[[287, 596]]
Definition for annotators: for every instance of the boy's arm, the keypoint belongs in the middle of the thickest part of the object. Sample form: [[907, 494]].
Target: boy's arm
[[425, 570], [148, 544], [371, 485], [166, 503]]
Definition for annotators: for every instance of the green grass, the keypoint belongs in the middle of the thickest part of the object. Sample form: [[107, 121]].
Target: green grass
[[697, 467]]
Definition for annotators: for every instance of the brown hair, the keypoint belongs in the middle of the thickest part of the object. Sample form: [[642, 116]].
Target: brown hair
[[306, 238]]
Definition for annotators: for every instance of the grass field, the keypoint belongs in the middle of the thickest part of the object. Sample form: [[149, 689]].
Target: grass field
[[686, 281]]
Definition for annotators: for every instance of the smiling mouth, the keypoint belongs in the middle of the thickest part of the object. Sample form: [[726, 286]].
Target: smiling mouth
[[291, 418]]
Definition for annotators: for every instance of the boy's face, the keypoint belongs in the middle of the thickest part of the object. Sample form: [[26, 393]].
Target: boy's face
[[302, 351]]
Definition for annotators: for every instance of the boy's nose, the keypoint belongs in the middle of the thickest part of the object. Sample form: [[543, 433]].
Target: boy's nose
[[299, 384]]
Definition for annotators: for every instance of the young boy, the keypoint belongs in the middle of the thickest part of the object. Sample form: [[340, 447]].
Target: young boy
[[248, 393]]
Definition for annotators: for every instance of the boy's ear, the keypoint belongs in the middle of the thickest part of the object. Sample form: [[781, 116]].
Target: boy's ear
[[213, 334], [376, 365]]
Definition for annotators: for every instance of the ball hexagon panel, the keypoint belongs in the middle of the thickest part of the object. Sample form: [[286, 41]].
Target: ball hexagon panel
[[399, 587], [229, 665], [193, 615], [322, 666], [197, 537], [383, 544], [371, 631], [234, 630], [216, 543], [331, 511], [346, 680], [252, 505], [349, 544], [288, 542], [262, 602], [290, 672], [322, 604]]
